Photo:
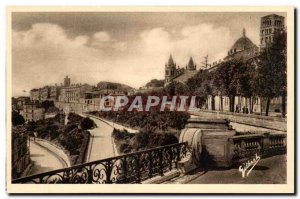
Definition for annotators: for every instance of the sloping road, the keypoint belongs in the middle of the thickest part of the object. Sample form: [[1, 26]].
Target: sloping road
[[101, 144], [43, 159]]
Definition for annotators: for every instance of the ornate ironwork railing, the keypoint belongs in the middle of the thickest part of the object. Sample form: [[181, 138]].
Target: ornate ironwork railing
[[266, 145], [130, 168]]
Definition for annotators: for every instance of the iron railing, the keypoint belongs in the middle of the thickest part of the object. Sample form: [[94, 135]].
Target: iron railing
[[130, 168]]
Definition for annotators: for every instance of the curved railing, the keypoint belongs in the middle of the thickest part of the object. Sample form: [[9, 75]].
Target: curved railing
[[130, 168]]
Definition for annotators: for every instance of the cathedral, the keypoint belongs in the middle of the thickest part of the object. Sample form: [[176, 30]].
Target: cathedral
[[243, 49], [175, 73]]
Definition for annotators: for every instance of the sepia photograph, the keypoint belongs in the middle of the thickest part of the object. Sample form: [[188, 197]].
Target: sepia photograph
[[151, 97]]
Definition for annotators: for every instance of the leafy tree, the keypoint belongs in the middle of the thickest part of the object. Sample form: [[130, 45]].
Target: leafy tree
[[17, 119], [87, 123], [47, 104], [271, 73], [176, 88], [156, 83]]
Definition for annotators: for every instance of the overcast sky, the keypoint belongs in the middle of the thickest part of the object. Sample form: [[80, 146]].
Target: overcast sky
[[130, 48]]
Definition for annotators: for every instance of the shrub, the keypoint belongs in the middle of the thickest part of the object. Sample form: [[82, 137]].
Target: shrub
[[87, 123], [17, 119], [125, 148]]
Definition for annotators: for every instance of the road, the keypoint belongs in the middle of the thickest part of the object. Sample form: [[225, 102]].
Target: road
[[101, 144], [43, 160]]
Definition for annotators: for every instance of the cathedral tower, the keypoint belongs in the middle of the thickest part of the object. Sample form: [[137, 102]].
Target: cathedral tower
[[191, 65], [269, 25], [170, 70]]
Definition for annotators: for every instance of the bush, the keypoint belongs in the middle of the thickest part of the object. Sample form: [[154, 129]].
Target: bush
[[125, 148], [17, 119], [87, 123]]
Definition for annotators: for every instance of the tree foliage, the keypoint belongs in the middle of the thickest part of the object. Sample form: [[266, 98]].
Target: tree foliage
[[17, 119]]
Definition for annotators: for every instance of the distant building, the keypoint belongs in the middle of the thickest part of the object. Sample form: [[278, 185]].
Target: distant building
[[243, 49], [269, 25], [32, 112], [67, 81], [44, 93], [54, 92], [175, 73], [147, 89], [71, 93], [35, 94], [19, 102]]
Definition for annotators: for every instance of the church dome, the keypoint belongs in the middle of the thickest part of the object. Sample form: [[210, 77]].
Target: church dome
[[241, 44]]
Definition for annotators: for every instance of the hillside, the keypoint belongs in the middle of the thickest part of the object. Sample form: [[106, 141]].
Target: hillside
[[113, 86]]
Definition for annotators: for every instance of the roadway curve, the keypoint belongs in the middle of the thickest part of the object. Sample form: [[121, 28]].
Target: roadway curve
[[43, 159], [101, 144]]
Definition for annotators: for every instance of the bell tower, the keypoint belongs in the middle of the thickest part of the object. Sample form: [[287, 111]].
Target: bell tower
[[269, 25], [170, 70]]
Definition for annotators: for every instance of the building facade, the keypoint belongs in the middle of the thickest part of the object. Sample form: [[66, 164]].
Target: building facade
[[32, 112], [35, 94], [269, 25], [175, 73], [54, 92], [243, 50]]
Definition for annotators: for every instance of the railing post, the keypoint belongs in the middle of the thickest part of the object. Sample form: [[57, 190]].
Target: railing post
[[90, 175], [108, 172], [138, 168], [151, 165], [125, 169], [160, 156], [171, 159]]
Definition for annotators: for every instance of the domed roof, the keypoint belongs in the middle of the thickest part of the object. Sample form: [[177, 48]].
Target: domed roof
[[242, 43]]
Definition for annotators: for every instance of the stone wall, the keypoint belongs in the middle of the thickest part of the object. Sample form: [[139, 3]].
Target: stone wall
[[58, 151]]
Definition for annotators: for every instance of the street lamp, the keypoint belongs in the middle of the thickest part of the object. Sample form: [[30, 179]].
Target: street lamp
[[35, 135], [116, 120]]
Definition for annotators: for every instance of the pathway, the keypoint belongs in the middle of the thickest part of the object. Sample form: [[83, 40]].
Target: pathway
[[43, 159]]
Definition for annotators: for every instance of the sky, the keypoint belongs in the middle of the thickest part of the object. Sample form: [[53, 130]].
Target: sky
[[124, 47]]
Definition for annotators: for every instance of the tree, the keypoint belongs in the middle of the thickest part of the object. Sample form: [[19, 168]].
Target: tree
[[201, 86], [271, 72], [226, 80], [176, 88], [17, 119], [47, 104], [87, 123], [156, 83]]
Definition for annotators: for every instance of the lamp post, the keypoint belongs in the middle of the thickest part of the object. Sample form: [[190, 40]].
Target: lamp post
[[35, 135], [116, 120]]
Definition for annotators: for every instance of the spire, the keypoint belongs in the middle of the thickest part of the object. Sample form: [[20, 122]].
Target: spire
[[244, 32], [171, 62], [191, 65]]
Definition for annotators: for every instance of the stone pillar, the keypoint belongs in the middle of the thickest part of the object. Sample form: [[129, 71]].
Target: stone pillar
[[209, 142]]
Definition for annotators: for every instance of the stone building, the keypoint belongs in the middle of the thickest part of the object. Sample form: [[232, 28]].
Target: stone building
[[175, 73], [32, 112], [243, 49], [269, 25], [35, 94], [44, 93], [54, 92], [71, 93]]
